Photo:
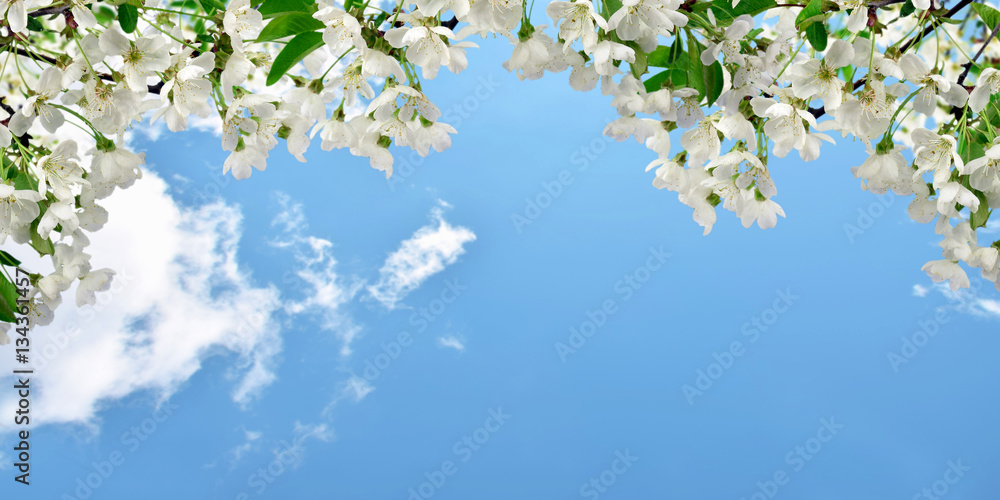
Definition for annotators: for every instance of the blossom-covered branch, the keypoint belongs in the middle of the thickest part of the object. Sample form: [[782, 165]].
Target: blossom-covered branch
[[738, 83]]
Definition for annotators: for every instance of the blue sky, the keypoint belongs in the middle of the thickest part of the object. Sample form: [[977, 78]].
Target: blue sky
[[472, 398]]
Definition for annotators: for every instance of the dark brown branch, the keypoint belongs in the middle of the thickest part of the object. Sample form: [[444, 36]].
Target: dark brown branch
[[58, 9], [883, 3], [968, 65], [818, 112], [959, 6], [152, 89]]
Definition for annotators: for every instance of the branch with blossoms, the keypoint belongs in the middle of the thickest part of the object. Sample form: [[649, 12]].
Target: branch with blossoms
[[739, 82]]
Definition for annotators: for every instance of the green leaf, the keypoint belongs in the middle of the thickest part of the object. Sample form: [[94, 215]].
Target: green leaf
[[988, 14], [817, 36], [296, 49], [271, 8], [663, 56], [907, 9], [128, 16], [654, 82], [289, 24], [612, 6], [104, 14], [7, 307], [980, 217], [640, 65], [725, 13], [805, 18], [210, 6], [8, 259], [34, 24], [713, 81], [41, 245], [696, 77], [350, 4]]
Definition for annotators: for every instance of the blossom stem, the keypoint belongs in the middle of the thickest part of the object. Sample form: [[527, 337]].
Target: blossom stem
[[82, 52], [968, 65], [335, 63], [178, 12], [790, 59], [178, 40]]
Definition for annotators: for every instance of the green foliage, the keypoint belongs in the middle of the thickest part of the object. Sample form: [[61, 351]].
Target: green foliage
[[128, 16], [725, 13], [297, 49], [8, 259], [811, 19], [271, 8], [907, 9], [289, 24], [9, 303], [988, 14], [685, 69], [211, 6]]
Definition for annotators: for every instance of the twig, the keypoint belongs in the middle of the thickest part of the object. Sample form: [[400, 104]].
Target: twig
[[58, 9], [968, 65], [152, 89], [961, 5]]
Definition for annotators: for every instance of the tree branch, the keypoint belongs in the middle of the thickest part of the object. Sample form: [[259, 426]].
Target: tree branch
[[961, 5], [152, 89], [58, 9], [968, 65]]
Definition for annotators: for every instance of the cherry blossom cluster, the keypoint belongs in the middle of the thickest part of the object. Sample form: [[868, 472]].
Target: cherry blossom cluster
[[737, 81]]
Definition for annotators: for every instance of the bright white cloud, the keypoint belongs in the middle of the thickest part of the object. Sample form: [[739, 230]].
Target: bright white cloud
[[452, 342], [180, 297], [325, 292], [430, 249], [971, 301], [920, 290]]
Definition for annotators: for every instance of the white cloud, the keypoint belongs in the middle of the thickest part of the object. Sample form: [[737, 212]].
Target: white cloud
[[427, 252], [180, 297], [301, 433], [452, 342], [354, 388], [325, 292], [249, 443], [920, 290], [970, 301]]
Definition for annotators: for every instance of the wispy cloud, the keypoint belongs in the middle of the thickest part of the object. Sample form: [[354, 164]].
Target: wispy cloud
[[452, 342], [971, 301], [920, 291], [430, 249], [181, 296], [250, 441], [324, 292]]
